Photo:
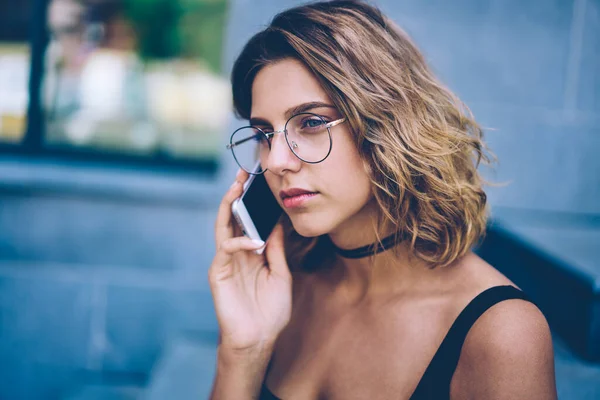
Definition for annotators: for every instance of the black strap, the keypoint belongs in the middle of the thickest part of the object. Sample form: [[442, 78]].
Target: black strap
[[266, 394], [370, 249], [435, 383]]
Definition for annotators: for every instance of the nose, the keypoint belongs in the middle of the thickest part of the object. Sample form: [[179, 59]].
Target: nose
[[280, 157]]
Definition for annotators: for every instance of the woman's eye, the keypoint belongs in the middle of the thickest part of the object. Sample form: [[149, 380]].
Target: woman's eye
[[313, 123]]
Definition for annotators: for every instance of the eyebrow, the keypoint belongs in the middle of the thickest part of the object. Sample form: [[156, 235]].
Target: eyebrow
[[300, 108]]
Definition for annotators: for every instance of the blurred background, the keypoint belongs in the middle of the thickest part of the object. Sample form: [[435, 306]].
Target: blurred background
[[114, 116]]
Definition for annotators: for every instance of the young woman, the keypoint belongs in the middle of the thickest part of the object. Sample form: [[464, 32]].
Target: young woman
[[368, 288]]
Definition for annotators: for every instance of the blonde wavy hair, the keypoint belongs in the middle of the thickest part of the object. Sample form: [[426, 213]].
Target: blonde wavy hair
[[419, 143]]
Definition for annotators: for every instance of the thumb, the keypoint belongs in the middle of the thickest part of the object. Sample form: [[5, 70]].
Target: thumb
[[275, 252]]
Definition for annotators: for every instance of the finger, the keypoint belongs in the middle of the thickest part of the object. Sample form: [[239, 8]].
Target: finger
[[233, 245], [236, 230], [275, 252], [223, 227], [230, 246], [222, 263], [223, 221]]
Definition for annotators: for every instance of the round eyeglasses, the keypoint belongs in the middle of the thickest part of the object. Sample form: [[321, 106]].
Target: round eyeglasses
[[308, 136]]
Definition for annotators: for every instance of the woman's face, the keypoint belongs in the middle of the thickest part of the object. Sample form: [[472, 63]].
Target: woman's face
[[340, 190]]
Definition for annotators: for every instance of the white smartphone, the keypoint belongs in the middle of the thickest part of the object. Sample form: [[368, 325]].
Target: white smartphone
[[256, 210]]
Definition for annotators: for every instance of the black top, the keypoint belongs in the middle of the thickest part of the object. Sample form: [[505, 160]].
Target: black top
[[435, 383]]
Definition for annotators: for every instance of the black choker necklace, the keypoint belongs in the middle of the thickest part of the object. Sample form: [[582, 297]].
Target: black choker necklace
[[370, 249]]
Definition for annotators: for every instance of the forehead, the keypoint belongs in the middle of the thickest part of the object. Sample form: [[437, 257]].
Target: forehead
[[282, 85]]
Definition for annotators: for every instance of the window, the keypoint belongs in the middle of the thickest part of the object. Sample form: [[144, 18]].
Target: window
[[14, 69], [123, 80]]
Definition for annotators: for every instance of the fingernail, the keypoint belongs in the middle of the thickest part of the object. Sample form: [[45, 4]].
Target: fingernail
[[257, 242], [239, 173], [233, 184]]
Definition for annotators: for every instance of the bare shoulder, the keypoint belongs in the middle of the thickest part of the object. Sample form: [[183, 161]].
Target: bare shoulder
[[512, 327], [507, 354], [476, 275]]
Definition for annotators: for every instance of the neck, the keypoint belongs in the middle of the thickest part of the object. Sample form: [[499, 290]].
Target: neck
[[385, 271]]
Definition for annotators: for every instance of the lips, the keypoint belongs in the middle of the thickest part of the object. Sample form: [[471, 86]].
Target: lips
[[295, 197], [293, 192]]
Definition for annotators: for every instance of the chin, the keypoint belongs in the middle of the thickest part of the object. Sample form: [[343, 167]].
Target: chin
[[310, 226]]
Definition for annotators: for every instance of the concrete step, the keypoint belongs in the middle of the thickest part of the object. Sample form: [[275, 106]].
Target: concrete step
[[186, 369], [106, 392], [576, 379]]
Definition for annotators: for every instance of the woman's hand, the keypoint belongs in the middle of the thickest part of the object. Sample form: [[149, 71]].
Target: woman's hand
[[252, 293]]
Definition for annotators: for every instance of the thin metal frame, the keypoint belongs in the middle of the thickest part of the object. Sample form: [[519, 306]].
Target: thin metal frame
[[270, 135]]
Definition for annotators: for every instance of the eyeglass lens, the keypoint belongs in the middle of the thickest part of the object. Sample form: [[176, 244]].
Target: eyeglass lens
[[306, 134]]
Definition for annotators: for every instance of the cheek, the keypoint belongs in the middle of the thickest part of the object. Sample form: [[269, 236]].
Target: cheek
[[351, 190], [346, 181], [346, 171], [346, 193]]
